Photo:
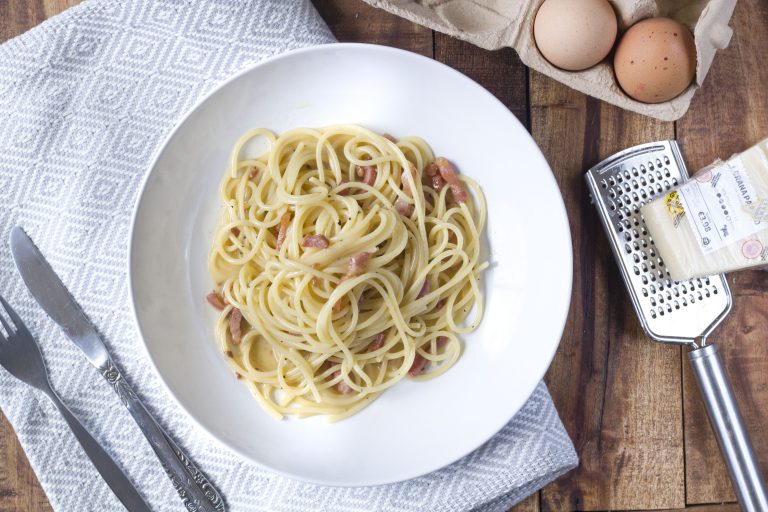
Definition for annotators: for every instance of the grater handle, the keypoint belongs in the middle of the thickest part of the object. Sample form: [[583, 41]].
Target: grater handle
[[729, 428]]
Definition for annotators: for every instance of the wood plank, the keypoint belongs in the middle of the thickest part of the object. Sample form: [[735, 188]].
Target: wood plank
[[19, 489], [355, 21], [728, 114], [714, 507], [618, 394], [501, 71], [18, 16]]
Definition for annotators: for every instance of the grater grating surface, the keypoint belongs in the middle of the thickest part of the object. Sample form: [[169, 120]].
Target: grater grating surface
[[669, 311]]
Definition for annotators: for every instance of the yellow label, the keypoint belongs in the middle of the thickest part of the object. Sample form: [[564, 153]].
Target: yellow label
[[674, 206]]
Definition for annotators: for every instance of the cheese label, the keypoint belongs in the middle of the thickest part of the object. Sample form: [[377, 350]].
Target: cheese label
[[719, 204]]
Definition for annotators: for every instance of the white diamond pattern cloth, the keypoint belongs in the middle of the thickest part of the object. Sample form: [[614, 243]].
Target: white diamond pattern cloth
[[85, 100]]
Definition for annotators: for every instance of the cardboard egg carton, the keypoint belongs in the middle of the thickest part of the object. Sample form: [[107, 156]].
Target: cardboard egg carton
[[493, 24]]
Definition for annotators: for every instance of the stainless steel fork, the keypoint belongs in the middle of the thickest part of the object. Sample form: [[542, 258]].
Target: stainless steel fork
[[21, 356]]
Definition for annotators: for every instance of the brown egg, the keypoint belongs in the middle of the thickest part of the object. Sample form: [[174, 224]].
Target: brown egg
[[575, 34], [655, 60]]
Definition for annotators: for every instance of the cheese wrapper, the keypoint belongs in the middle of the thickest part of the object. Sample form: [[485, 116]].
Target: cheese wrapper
[[717, 221]]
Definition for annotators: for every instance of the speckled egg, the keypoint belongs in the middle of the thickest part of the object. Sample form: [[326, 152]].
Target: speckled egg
[[655, 60], [575, 34]]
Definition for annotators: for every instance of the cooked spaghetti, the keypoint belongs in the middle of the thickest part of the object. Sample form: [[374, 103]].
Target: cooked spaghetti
[[345, 262]]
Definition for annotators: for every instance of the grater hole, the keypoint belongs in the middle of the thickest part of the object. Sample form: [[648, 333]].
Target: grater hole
[[635, 208], [645, 292], [636, 258], [626, 175], [653, 302], [666, 172], [661, 299], [612, 193], [706, 293], [634, 184], [627, 237], [660, 274], [620, 214], [644, 279], [627, 248], [653, 265], [677, 305], [659, 188], [643, 181], [706, 281], [650, 166], [661, 286], [645, 244], [634, 170], [699, 296], [612, 206], [685, 302], [635, 197], [666, 160], [637, 270], [692, 299], [669, 308], [666, 185], [644, 267], [669, 295], [653, 288], [653, 313], [651, 179], [653, 255], [661, 311], [714, 290], [643, 231], [674, 182], [635, 246], [645, 256]]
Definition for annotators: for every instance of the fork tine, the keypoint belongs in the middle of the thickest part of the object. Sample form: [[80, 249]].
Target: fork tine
[[12, 314]]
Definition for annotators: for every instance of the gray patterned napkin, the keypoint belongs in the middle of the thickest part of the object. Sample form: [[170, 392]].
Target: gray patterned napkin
[[85, 99]]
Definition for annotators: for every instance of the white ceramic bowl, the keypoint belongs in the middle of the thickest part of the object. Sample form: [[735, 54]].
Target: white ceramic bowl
[[414, 428]]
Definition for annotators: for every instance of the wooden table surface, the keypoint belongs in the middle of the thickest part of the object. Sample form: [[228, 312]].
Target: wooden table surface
[[631, 406]]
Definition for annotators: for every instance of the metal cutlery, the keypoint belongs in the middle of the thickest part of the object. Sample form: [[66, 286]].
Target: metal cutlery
[[674, 312], [21, 356], [193, 487]]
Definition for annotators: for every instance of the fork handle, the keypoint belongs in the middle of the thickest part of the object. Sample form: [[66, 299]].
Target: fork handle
[[102, 461], [729, 428], [194, 489]]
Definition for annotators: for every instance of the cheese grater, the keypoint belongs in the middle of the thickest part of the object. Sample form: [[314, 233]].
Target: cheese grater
[[669, 311]]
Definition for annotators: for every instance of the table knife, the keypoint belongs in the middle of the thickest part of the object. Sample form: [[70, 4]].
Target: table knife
[[193, 487]]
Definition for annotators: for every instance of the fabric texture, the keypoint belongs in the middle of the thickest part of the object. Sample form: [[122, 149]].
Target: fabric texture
[[85, 100]]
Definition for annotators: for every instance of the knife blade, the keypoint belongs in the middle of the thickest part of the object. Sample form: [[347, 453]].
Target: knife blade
[[48, 290], [197, 493]]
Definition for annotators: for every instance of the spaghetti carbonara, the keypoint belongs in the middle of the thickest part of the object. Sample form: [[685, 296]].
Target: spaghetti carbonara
[[345, 261]]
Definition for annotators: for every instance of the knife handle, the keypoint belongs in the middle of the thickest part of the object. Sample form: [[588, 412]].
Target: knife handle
[[194, 489]]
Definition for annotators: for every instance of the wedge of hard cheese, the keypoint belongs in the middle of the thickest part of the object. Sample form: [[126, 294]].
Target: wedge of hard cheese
[[717, 221]]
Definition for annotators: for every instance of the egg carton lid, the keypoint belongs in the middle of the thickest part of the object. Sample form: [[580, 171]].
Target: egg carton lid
[[494, 24]]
